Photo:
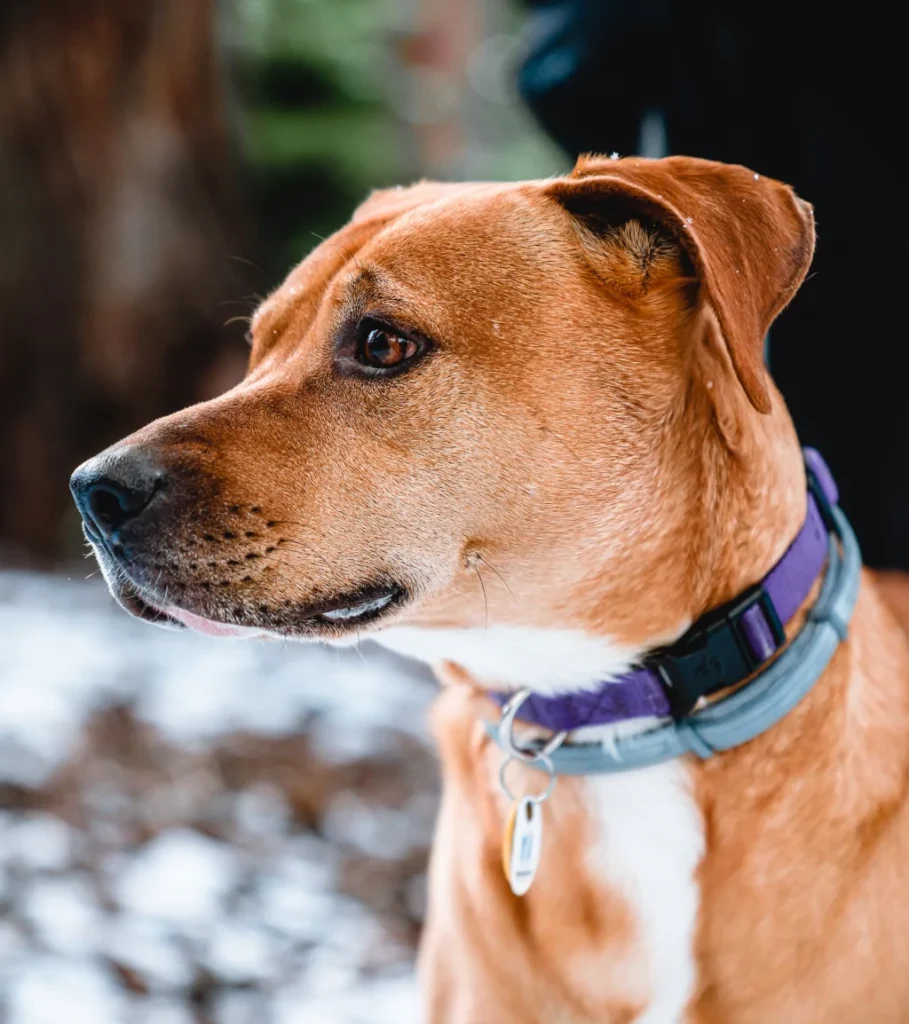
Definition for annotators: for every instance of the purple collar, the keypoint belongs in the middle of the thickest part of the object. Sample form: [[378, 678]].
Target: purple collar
[[722, 649]]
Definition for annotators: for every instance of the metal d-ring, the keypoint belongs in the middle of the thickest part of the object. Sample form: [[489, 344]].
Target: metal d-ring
[[528, 755], [542, 762]]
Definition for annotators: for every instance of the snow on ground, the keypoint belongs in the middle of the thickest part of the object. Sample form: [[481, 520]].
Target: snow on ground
[[204, 832]]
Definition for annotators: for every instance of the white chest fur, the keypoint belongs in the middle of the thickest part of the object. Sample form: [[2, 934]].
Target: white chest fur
[[546, 660], [651, 840], [651, 835]]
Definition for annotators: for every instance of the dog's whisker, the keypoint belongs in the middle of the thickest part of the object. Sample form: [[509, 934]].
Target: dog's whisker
[[356, 647], [485, 598], [297, 541], [249, 263], [489, 565], [350, 255], [563, 442], [309, 549], [240, 318]]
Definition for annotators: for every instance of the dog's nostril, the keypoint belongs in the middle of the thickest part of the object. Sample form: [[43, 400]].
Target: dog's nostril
[[114, 488], [107, 507]]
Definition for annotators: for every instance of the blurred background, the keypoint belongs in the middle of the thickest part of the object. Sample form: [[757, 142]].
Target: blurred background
[[198, 832], [164, 163], [195, 833]]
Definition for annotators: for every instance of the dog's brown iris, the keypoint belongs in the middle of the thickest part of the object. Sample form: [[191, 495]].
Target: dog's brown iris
[[382, 348]]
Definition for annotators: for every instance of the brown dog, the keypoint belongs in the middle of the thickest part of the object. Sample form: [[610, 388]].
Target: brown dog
[[525, 431]]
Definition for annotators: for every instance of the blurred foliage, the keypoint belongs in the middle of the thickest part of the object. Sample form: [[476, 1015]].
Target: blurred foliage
[[344, 41], [317, 132], [327, 110]]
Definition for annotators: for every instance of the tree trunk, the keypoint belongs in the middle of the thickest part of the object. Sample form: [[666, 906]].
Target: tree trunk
[[118, 221]]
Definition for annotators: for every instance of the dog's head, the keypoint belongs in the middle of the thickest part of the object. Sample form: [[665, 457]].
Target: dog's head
[[474, 403]]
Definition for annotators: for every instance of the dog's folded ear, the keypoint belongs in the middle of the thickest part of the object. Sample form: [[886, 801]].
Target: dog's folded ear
[[749, 239]]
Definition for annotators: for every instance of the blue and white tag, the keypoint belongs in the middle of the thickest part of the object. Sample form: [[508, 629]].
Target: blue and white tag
[[523, 843]]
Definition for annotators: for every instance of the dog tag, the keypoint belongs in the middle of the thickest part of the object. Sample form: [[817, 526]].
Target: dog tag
[[523, 843]]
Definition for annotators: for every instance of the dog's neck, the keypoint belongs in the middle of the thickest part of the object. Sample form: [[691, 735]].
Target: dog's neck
[[545, 660], [745, 540]]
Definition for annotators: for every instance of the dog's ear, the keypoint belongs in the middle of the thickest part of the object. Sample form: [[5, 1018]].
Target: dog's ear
[[749, 239]]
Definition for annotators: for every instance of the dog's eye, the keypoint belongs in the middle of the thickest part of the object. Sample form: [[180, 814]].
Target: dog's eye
[[374, 349], [380, 348]]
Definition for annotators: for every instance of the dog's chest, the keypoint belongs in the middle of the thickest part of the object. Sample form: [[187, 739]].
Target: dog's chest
[[647, 826], [650, 841]]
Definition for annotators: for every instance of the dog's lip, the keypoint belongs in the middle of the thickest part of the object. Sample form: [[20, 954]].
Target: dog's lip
[[146, 611], [354, 607], [211, 627], [358, 610], [350, 611]]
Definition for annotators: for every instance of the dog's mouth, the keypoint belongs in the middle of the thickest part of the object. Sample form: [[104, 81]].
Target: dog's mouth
[[344, 614], [348, 613]]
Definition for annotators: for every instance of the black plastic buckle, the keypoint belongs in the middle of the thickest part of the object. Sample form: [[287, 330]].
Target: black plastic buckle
[[714, 653]]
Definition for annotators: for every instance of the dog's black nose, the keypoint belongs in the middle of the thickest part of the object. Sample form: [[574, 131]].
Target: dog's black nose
[[115, 487]]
